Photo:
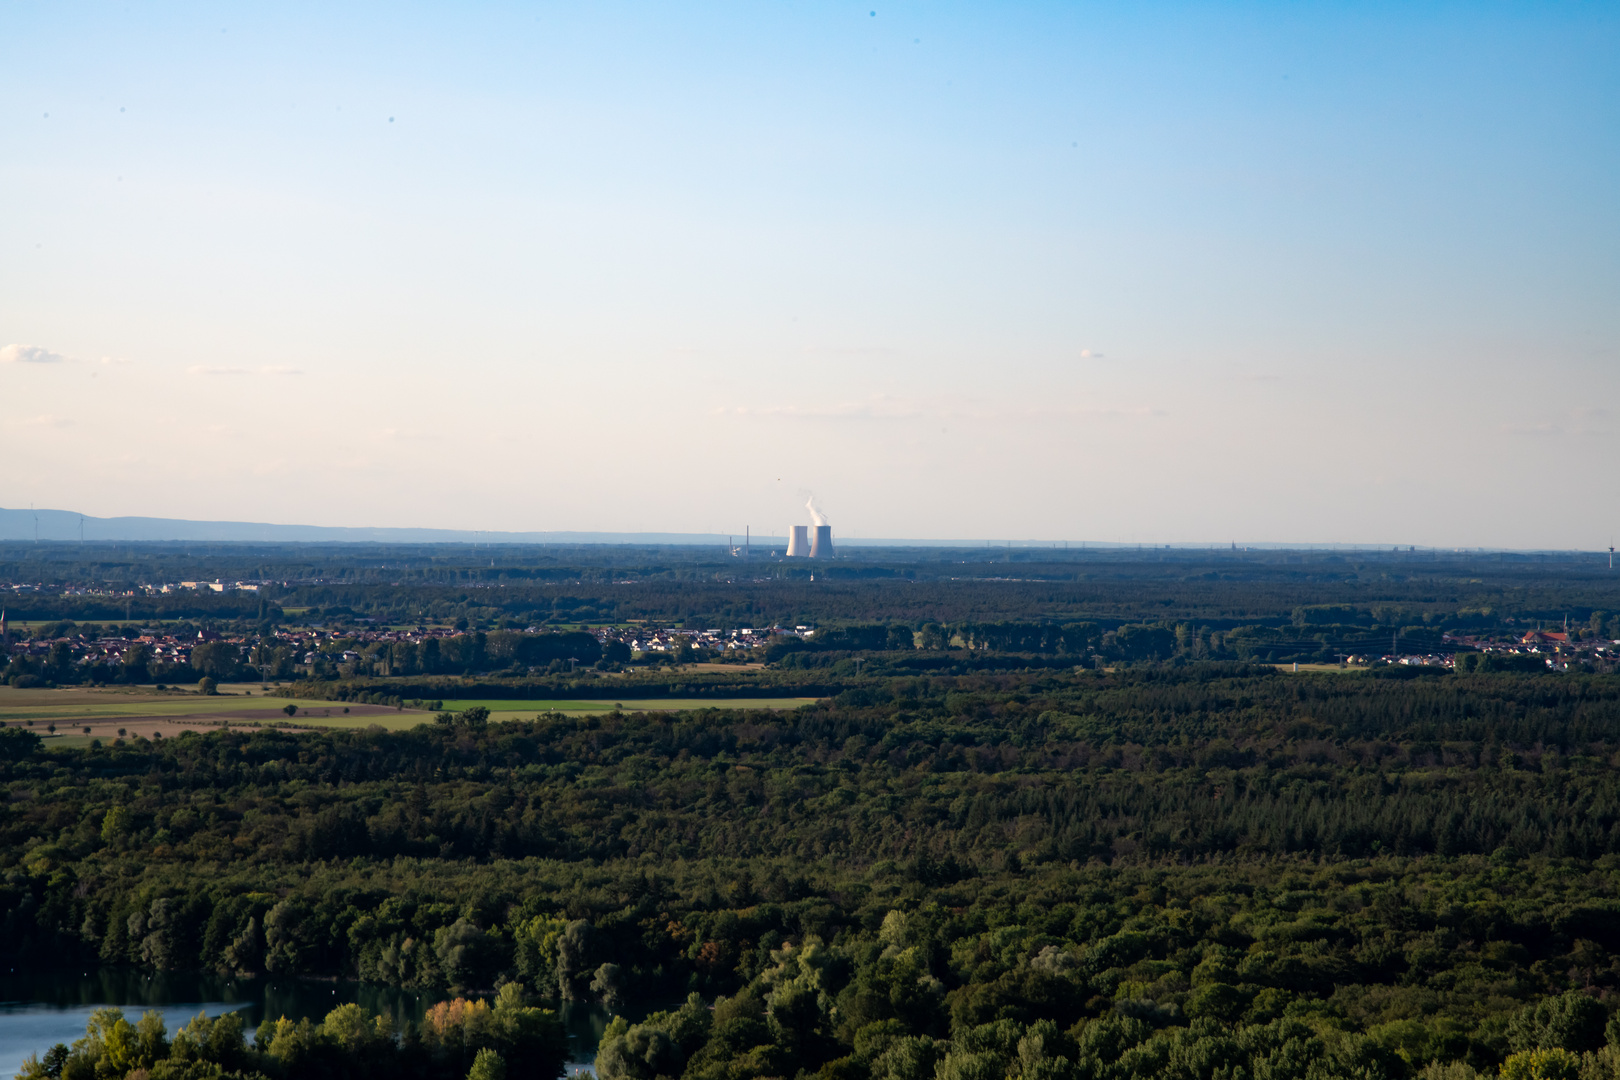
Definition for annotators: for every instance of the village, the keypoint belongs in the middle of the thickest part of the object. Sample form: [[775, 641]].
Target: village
[[351, 645], [1558, 650], [302, 651]]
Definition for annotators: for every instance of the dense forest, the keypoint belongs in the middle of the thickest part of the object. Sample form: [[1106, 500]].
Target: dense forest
[[1191, 870]]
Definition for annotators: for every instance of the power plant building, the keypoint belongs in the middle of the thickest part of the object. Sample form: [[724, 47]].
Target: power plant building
[[807, 545], [821, 547], [804, 544]]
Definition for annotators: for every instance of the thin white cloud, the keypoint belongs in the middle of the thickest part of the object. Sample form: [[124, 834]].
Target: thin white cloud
[[851, 350], [1591, 420], [1088, 354], [405, 434], [1580, 421], [882, 407], [1082, 412], [270, 369], [47, 420], [30, 354]]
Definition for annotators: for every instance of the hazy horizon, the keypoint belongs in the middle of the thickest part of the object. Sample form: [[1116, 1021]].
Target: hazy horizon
[[65, 526], [1134, 273]]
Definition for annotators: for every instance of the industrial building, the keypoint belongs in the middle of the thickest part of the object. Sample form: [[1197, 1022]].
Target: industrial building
[[805, 544]]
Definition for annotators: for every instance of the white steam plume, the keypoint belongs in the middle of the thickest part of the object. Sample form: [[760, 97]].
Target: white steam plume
[[815, 515]]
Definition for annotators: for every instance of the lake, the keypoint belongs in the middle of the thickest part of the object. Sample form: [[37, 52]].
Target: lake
[[40, 1009]]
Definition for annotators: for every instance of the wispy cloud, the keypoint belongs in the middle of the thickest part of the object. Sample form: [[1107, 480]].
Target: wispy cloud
[[882, 407], [269, 369], [36, 354], [1081, 412], [1090, 354], [1592, 420], [30, 354], [47, 420], [851, 350], [1581, 420]]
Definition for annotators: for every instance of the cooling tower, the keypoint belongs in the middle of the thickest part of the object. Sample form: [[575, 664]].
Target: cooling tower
[[799, 543], [821, 546]]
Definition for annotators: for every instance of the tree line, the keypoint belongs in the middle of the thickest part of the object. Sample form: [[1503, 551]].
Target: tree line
[[697, 588]]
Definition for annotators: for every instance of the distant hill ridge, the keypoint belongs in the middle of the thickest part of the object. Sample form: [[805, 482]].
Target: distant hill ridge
[[60, 525]]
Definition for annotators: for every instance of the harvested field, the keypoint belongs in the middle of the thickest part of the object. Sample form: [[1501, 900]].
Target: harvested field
[[148, 713], [166, 714]]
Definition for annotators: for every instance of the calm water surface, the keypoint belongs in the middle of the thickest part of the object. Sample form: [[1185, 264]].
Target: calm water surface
[[40, 1009]]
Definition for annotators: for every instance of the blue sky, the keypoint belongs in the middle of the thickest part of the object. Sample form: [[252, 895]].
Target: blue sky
[[1143, 272]]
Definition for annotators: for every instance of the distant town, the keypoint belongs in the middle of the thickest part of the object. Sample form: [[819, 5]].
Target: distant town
[[317, 649], [350, 647]]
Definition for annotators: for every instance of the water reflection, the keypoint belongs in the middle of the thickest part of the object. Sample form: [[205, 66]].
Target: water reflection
[[585, 1021], [41, 1008], [258, 999]]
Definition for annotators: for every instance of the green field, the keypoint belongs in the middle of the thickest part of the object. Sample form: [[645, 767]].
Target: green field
[[523, 710]]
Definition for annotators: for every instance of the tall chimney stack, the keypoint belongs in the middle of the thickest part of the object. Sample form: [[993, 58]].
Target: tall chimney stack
[[799, 542], [821, 547]]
